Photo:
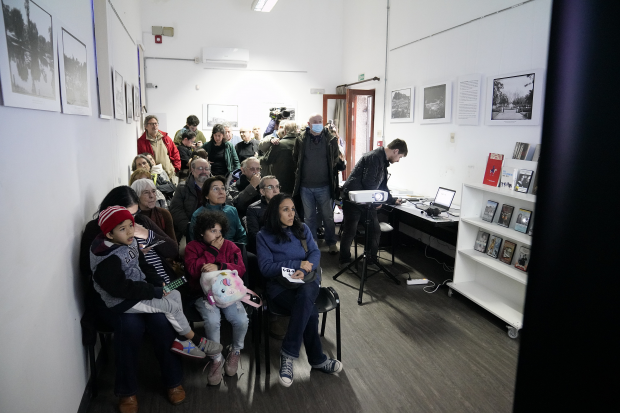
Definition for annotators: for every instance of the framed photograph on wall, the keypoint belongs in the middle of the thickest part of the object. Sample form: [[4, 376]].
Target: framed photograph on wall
[[136, 102], [74, 74], [515, 98], [436, 103], [221, 114], [119, 95], [28, 53], [401, 104], [129, 102]]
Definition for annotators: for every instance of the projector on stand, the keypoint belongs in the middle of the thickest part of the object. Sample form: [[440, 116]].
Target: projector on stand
[[368, 197]]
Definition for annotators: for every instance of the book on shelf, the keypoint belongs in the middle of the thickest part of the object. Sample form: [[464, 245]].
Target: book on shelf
[[524, 179], [489, 211], [494, 244], [493, 172], [481, 241], [523, 220], [536, 155], [521, 150], [505, 215], [508, 251], [523, 258], [535, 185], [509, 177]]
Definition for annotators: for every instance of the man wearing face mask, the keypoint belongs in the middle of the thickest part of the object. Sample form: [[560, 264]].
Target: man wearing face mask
[[187, 198], [316, 154]]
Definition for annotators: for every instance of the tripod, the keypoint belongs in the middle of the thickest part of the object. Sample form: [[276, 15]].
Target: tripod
[[365, 257]]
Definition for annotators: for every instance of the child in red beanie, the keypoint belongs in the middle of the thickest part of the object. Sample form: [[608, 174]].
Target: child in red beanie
[[128, 284]]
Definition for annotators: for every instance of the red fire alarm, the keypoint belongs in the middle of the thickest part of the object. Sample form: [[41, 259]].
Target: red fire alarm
[[379, 143], [158, 38]]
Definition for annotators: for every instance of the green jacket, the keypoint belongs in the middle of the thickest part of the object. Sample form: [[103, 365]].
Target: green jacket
[[230, 155], [200, 137]]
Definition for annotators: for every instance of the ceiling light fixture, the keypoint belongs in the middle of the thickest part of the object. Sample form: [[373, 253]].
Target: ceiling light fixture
[[263, 5]]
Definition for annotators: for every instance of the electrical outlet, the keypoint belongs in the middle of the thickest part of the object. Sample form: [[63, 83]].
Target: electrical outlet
[[452, 137]]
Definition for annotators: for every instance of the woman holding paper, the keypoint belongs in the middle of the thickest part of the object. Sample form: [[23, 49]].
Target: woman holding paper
[[284, 246]]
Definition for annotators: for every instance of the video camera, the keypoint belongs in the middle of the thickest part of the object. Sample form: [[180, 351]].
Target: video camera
[[278, 114]]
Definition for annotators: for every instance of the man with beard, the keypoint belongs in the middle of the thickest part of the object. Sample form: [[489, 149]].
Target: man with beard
[[370, 173], [160, 146], [188, 198]]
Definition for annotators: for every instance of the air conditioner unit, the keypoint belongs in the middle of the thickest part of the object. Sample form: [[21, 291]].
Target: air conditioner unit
[[225, 57]]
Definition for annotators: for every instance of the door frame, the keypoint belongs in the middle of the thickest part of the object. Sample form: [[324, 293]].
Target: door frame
[[352, 95]]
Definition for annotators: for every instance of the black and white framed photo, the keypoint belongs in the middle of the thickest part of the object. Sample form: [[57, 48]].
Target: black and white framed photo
[[489, 211], [515, 98], [505, 215], [436, 103], [28, 53], [217, 114], [129, 102], [119, 95], [494, 243], [136, 102], [401, 104], [524, 179], [74, 74]]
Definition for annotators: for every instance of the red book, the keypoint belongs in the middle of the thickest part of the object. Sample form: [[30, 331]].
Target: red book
[[493, 171]]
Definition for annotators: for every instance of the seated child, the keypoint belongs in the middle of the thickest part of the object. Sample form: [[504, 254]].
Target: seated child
[[128, 284], [211, 252]]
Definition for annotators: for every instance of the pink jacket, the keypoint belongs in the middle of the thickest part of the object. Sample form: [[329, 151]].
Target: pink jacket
[[173, 153], [198, 253]]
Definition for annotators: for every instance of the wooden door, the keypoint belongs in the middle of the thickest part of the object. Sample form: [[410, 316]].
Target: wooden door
[[360, 124]]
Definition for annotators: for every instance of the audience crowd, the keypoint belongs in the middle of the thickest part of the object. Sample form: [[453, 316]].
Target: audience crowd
[[193, 207]]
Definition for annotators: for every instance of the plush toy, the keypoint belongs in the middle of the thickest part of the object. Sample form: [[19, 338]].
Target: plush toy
[[224, 288]]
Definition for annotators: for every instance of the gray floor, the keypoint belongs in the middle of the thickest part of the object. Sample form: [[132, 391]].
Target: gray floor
[[403, 351]]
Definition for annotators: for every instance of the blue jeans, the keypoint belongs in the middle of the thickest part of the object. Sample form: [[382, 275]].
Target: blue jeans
[[212, 316], [321, 198], [304, 323], [129, 330]]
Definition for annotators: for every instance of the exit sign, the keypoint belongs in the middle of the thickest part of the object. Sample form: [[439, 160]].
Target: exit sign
[[360, 77]]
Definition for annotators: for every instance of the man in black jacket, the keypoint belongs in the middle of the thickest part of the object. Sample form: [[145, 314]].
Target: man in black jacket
[[188, 198], [245, 190], [370, 173]]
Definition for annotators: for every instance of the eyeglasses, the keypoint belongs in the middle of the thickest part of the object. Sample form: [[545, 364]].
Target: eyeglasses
[[202, 168], [153, 124], [272, 187], [218, 189]]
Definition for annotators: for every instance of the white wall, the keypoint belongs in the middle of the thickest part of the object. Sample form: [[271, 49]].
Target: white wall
[[510, 41], [292, 37], [54, 171]]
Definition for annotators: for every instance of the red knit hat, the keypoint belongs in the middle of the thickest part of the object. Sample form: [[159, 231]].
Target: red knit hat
[[110, 217]]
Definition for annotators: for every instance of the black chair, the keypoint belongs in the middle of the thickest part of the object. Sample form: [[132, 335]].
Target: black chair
[[326, 301]]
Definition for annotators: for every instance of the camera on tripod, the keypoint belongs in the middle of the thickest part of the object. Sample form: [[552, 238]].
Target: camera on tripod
[[278, 114]]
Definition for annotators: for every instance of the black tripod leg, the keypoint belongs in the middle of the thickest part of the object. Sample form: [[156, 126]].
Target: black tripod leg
[[363, 278], [339, 273]]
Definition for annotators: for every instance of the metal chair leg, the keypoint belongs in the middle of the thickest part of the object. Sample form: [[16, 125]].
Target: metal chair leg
[[323, 325], [256, 329], [266, 332]]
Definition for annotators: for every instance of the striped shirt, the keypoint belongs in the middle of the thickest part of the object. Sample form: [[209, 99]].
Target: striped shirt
[[152, 257]]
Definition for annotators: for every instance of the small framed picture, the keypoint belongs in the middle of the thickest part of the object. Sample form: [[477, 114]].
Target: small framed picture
[[505, 215], [494, 243], [402, 102], [523, 220], [481, 241], [523, 258], [489, 211], [508, 251]]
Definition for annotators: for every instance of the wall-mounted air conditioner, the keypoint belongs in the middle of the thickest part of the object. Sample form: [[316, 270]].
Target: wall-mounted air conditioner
[[225, 57]]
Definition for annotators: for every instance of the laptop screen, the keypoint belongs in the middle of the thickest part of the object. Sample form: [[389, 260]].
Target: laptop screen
[[444, 197]]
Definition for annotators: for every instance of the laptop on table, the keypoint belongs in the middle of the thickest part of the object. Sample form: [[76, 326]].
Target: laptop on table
[[443, 199]]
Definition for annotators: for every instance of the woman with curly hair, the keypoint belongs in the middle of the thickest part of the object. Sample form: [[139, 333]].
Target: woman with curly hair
[[210, 251], [285, 242]]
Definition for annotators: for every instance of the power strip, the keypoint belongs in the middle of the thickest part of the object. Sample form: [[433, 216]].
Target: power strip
[[417, 281]]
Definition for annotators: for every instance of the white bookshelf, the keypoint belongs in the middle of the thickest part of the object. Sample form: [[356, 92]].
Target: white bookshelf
[[494, 285]]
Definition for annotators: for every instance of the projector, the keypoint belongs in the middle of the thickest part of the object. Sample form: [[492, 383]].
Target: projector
[[367, 197]]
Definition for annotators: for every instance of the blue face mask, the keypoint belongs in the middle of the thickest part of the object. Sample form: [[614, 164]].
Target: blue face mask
[[317, 127]]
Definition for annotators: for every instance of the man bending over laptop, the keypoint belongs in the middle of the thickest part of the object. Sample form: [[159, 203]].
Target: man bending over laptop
[[370, 173]]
